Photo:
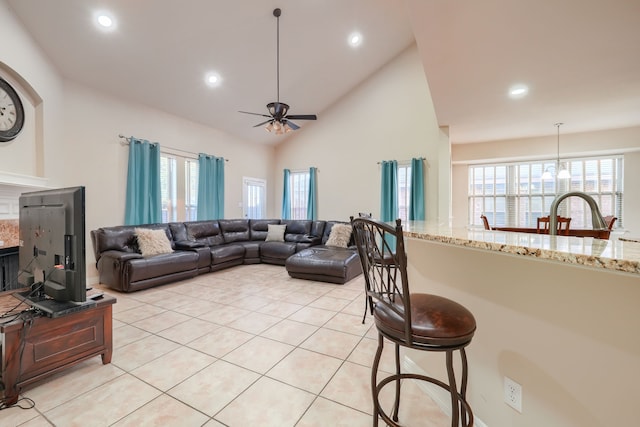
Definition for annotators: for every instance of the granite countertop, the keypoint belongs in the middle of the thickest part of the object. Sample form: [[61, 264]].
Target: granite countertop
[[614, 254]]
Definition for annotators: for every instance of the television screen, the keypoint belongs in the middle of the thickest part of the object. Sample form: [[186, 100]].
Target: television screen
[[52, 248]]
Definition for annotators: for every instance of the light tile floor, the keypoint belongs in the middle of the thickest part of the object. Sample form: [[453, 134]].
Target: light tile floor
[[247, 346]]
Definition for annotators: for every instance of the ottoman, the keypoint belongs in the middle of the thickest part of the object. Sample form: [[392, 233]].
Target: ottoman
[[324, 264]]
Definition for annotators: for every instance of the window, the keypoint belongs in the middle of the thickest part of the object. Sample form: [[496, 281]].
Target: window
[[178, 187], [404, 191], [254, 196], [168, 182], [299, 193], [515, 195], [191, 189]]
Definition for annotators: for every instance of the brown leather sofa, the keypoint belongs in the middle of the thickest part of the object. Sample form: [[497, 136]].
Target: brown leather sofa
[[205, 246]]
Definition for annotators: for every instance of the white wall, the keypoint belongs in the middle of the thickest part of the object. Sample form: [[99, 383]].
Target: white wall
[[566, 333], [23, 64], [389, 116], [616, 141]]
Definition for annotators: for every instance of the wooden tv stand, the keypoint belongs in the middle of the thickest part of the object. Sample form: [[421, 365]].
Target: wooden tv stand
[[34, 347]]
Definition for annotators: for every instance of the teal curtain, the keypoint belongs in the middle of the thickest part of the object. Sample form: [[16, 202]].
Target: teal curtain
[[210, 187], [286, 196], [312, 201], [416, 199], [389, 191], [143, 201]]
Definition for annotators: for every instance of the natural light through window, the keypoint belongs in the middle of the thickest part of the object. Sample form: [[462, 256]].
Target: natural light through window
[[299, 185], [178, 187], [404, 191], [191, 189], [254, 197], [514, 195]]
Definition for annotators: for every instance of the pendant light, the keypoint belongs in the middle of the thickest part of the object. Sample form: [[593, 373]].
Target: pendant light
[[562, 172]]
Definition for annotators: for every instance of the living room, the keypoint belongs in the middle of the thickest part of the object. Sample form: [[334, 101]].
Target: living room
[[76, 142]]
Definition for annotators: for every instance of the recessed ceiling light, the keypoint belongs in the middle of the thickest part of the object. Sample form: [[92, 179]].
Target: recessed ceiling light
[[104, 21], [355, 39], [212, 79], [518, 91]]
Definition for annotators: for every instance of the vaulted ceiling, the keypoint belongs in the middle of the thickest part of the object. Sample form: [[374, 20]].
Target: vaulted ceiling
[[579, 58]]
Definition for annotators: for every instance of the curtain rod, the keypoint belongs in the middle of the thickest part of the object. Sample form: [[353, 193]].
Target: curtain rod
[[406, 161], [303, 170], [128, 141]]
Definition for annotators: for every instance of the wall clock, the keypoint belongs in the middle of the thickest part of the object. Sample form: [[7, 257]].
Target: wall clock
[[11, 112]]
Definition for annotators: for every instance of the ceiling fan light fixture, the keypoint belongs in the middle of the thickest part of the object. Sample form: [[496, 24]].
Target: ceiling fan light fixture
[[269, 126], [278, 127]]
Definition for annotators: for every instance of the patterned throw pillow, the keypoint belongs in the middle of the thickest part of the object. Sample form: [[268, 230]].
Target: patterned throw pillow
[[339, 236], [152, 242]]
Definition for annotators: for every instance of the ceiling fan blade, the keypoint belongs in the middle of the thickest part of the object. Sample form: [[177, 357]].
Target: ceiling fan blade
[[255, 114], [292, 125], [302, 117], [263, 123]]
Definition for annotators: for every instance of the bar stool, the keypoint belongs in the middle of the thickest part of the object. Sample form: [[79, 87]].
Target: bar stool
[[413, 320]]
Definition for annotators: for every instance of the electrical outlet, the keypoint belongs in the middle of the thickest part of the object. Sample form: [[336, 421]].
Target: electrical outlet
[[513, 394]]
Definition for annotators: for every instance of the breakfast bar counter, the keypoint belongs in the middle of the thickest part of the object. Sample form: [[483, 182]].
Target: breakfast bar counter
[[559, 315], [614, 254]]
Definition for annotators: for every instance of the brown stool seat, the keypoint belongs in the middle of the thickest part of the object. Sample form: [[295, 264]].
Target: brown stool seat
[[417, 321], [435, 321]]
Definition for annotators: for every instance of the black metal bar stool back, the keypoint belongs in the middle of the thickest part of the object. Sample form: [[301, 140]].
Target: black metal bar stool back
[[413, 320]]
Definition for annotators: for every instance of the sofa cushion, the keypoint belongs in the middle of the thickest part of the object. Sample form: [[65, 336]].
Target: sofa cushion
[[277, 250], [251, 250], [178, 231], [260, 227], [234, 230], [114, 238], [339, 236], [152, 242], [206, 232], [225, 253], [297, 230], [161, 265], [275, 233]]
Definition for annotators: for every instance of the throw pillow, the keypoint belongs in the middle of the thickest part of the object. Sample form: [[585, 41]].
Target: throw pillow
[[339, 236], [152, 242], [275, 232]]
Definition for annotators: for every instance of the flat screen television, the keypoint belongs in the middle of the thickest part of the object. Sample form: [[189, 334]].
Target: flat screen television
[[52, 260]]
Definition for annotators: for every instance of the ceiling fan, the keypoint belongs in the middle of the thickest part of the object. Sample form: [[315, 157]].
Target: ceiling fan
[[279, 121]]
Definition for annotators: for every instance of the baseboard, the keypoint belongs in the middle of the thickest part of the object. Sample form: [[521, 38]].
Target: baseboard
[[437, 394]]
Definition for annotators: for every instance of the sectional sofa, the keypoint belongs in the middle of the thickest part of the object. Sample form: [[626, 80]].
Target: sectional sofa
[[197, 247]]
